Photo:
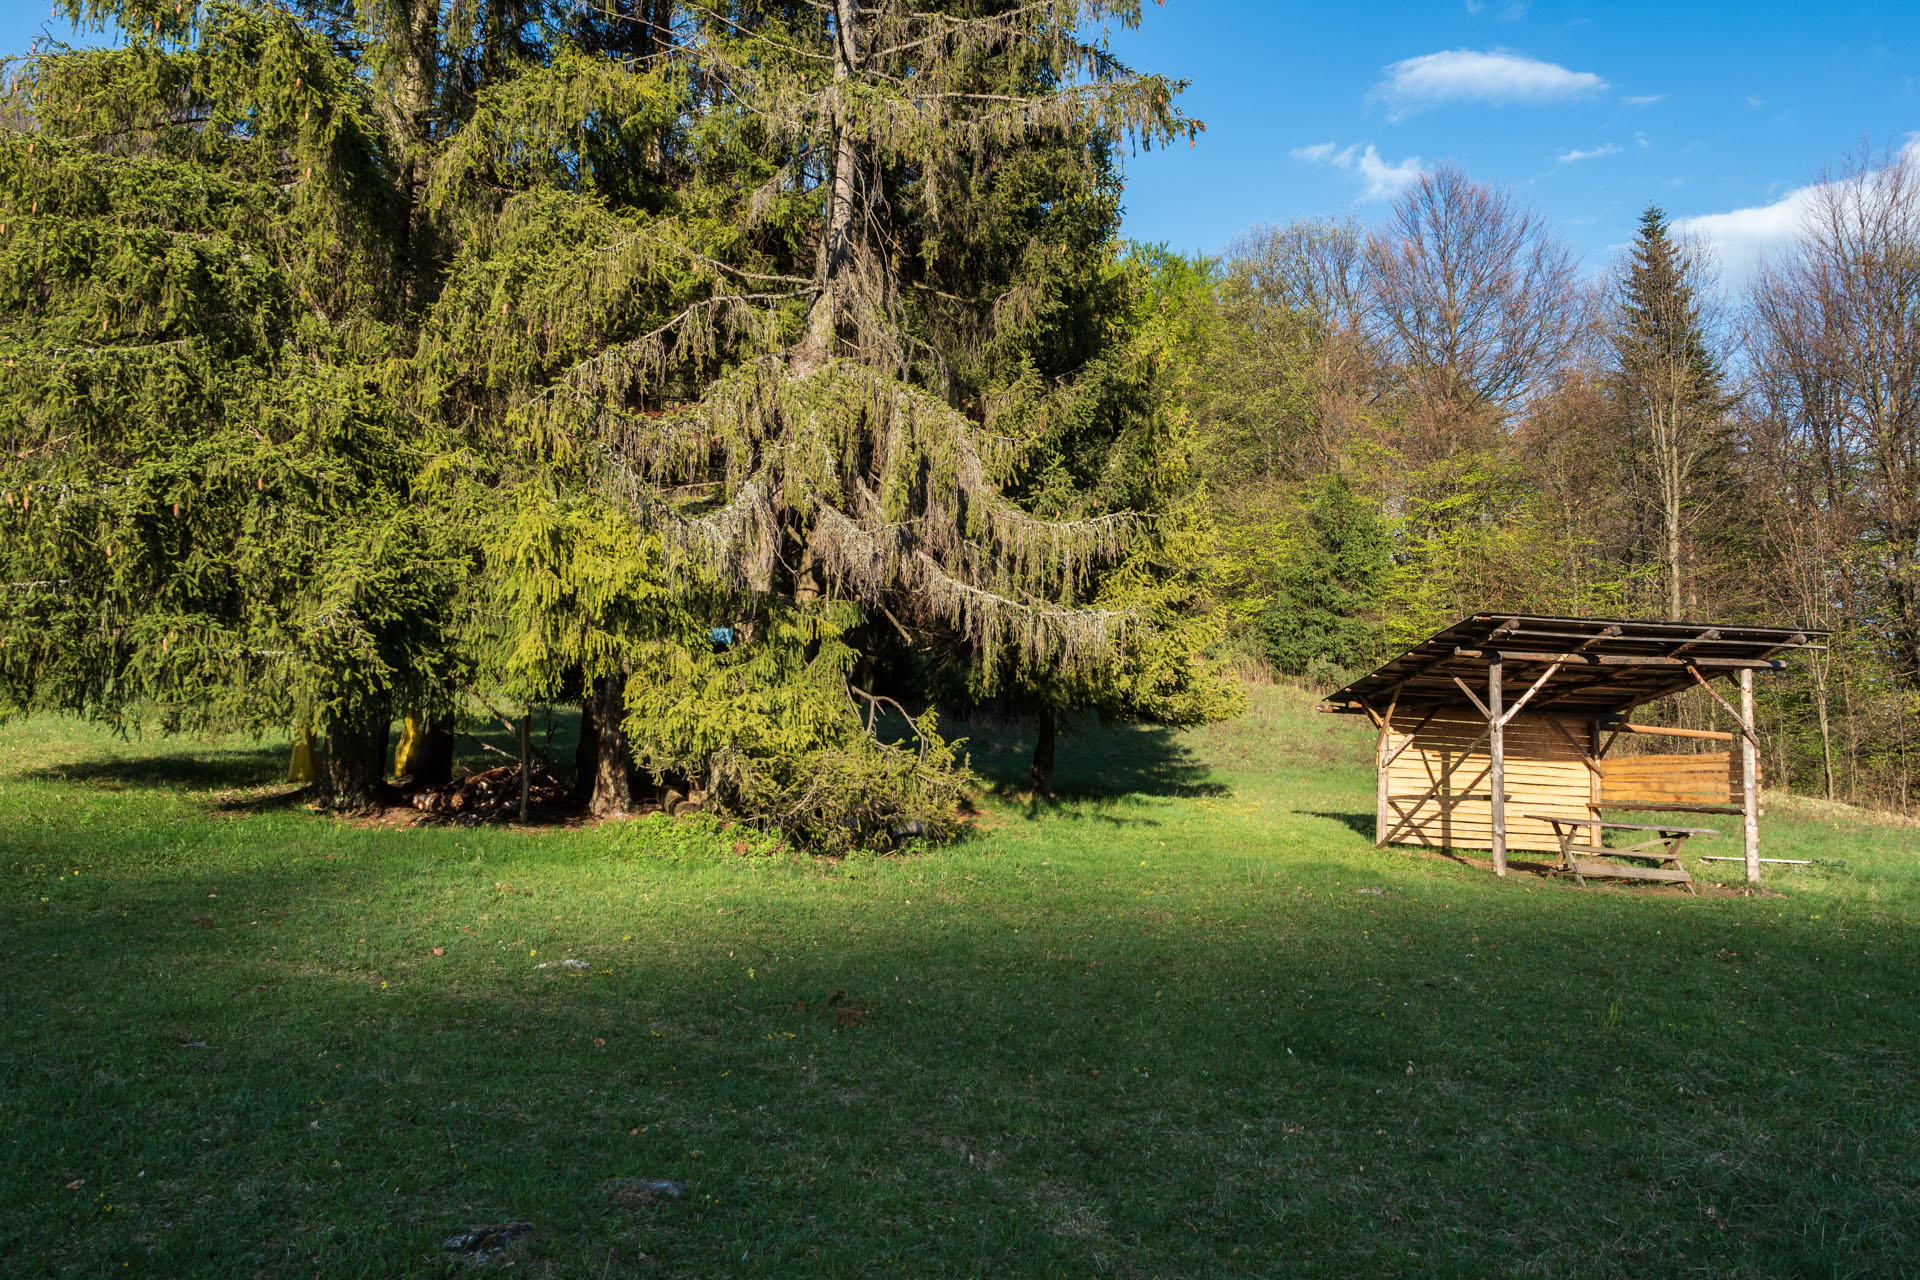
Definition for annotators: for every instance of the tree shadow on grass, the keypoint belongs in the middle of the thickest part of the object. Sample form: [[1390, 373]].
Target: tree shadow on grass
[[1100, 763], [253, 1024], [204, 769], [1361, 824]]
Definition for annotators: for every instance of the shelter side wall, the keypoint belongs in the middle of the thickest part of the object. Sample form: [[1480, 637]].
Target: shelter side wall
[[1710, 777], [1545, 774]]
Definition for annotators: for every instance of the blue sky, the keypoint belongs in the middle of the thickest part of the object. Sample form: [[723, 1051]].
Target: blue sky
[[1719, 111]]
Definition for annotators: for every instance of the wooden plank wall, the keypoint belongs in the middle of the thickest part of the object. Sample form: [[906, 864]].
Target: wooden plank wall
[[1545, 774], [1711, 777]]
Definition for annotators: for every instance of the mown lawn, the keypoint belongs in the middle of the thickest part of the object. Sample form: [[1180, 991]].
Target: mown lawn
[[1165, 1029]]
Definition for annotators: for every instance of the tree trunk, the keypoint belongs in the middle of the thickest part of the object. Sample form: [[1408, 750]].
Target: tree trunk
[[612, 794], [1903, 587], [1041, 779], [836, 245], [414, 96], [354, 764], [526, 759], [1674, 611], [1669, 446], [1817, 669], [586, 752]]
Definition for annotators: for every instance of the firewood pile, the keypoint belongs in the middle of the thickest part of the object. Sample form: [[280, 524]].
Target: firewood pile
[[493, 795]]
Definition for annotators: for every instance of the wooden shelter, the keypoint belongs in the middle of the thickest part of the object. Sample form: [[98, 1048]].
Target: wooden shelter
[[1499, 725]]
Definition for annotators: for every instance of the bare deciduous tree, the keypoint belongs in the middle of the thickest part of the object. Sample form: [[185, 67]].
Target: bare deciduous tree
[[1839, 334], [1312, 267], [1807, 539], [1290, 372], [1473, 294]]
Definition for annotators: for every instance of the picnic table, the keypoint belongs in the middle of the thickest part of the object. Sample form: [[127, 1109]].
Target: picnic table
[[1582, 858]]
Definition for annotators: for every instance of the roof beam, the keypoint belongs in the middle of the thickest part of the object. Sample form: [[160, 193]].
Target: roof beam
[[1625, 659], [1664, 732], [1474, 698], [1738, 719], [1705, 637], [1436, 660], [1527, 697], [1600, 681], [1673, 634], [1612, 630]]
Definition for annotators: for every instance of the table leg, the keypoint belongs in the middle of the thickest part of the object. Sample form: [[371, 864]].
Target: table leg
[[1566, 835], [1674, 845]]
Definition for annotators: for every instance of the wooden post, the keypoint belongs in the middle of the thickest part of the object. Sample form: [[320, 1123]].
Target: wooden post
[[1594, 783], [526, 758], [1497, 775], [1749, 776], [1380, 789]]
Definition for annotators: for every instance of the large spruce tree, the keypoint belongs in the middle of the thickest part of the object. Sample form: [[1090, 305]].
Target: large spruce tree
[[1668, 386], [224, 249], [865, 364], [819, 401], [206, 278]]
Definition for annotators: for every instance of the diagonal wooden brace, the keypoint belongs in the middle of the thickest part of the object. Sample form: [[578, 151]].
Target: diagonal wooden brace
[[1738, 719], [1514, 710]]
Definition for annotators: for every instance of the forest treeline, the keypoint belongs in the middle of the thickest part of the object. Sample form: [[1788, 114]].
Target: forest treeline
[[1441, 413], [771, 381]]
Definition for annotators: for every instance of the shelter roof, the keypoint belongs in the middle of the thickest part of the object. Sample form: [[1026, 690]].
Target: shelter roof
[[1590, 666]]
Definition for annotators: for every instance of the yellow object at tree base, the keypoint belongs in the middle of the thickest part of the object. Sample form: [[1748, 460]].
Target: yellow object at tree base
[[300, 767], [411, 740]]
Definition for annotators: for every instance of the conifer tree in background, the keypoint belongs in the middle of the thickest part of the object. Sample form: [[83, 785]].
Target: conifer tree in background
[[1139, 457], [1333, 585], [1668, 386]]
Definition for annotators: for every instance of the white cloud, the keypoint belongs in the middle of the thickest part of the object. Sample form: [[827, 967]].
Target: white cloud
[[1466, 75], [1594, 153], [1756, 102], [1743, 237], [1382, 180], [1645, 99]]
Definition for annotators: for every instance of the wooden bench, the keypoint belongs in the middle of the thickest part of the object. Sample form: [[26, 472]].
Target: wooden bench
[[1581, 859]]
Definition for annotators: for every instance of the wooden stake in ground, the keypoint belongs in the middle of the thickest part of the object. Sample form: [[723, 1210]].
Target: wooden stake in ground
[[1497, 775], [526, 758], [1593, 781], [1380, 759], [1749, 777]]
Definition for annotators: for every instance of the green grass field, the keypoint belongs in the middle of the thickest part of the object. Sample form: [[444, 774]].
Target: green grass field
[[1187, 1023]]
